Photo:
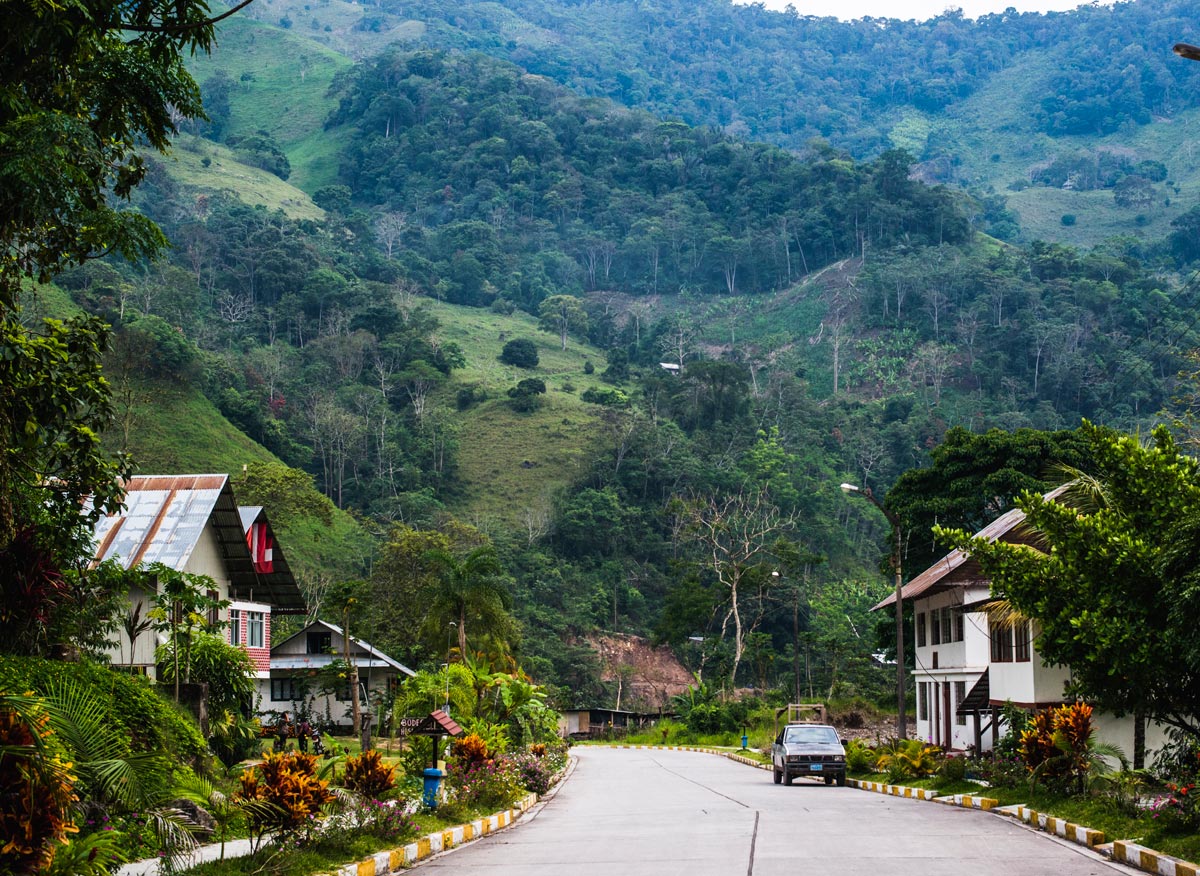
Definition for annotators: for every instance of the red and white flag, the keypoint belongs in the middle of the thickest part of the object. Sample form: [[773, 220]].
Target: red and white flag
[[260, 545]]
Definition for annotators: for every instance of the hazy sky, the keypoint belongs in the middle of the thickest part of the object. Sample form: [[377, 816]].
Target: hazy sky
[[919, 9]]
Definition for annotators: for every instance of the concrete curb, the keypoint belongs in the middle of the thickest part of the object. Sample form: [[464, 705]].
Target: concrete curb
[[893, 790], [1084, 836], [1149, 860], [968, 801]]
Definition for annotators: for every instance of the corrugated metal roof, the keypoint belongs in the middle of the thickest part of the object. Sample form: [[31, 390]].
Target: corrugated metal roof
[[320, 661], [365, 646], [163, 520], [934, 578]]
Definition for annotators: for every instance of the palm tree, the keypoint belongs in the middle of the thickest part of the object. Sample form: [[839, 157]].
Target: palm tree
[[469, 588]]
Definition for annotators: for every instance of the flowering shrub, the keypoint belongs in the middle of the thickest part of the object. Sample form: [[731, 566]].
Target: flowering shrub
[[486, 784], [369, 776], [288, 784], [1179, 809], [386, 821], [36, 795], [533, 772]]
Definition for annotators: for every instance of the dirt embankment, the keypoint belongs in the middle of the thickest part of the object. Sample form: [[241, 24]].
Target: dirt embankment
[[645, 677]]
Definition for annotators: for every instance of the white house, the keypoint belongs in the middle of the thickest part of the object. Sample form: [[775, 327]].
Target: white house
[[192, 523], [967, 666], [295, 681]]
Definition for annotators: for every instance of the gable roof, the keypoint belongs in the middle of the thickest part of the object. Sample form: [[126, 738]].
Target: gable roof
[[284, 592], [366, 647], [162, 521], [958, 569]]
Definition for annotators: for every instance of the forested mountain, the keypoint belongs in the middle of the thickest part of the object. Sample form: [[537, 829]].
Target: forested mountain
[[461, 335], [984, 104]]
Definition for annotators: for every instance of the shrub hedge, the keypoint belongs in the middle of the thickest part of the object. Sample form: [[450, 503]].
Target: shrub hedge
[[152, 722]]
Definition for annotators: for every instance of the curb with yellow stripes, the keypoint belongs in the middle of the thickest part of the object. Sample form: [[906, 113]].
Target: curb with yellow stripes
[[893, 790], [1151, 861], [395, 860], [1084, 836]]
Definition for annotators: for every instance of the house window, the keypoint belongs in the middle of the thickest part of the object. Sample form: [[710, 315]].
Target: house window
[[283, 689], [923, 701], [947, 625], [320, 643], [935, 628], [960, 694], [921, 629], [254, 629], [214, 611], [958, 624], [1021, 649], [235, 626], [1002, 644]]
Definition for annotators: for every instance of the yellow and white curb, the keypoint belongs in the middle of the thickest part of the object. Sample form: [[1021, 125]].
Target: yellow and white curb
[[968, 801], [395, 860], [893, 790], [1151, 861], [731, 755], [1074, 833]]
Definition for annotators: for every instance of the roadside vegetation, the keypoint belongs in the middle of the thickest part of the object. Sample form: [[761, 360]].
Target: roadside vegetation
[[1052, 762]]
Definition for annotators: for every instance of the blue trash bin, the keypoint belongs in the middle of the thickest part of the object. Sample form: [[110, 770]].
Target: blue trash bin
[[432, 791]]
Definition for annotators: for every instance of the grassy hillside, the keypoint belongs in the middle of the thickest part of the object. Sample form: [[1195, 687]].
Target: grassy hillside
[[508, 461], [225, 172], [281, 82], [987, 146]]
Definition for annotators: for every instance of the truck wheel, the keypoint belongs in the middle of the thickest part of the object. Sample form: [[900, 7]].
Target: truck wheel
[[841, 780], [776, 775], [829, 780], [787, 779]]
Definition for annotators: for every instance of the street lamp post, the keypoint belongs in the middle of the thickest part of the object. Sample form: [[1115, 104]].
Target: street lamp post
[[901, 718], [449, 637]]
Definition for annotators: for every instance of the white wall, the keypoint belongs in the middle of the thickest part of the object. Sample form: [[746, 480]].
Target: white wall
[[956, 662], [321, 706]]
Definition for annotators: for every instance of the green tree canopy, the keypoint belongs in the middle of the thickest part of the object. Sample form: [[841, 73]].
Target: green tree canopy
[[1105, 578], [973, 479]]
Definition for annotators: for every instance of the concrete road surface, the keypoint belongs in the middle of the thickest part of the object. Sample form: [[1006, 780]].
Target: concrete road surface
[[666, 813]]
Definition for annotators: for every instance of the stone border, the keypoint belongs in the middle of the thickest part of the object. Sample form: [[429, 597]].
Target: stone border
[[1075, 833]]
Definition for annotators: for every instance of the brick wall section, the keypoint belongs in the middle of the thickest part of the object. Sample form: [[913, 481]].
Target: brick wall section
[[261, 657]]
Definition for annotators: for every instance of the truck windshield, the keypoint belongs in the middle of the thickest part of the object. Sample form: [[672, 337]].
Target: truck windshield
[[817, 735]]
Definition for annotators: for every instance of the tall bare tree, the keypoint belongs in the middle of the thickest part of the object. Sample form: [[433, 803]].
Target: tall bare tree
[[732, 537]]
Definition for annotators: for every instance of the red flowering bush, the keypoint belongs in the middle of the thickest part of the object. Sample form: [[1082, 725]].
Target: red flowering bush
[[1179, 809]]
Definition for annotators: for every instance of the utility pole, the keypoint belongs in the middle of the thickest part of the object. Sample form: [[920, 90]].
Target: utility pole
[[901, 718], [355, 705]]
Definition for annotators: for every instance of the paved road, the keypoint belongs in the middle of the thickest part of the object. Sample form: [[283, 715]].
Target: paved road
[[665, 813]]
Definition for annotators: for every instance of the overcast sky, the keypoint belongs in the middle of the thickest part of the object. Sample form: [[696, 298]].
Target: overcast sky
[[919, 9]]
